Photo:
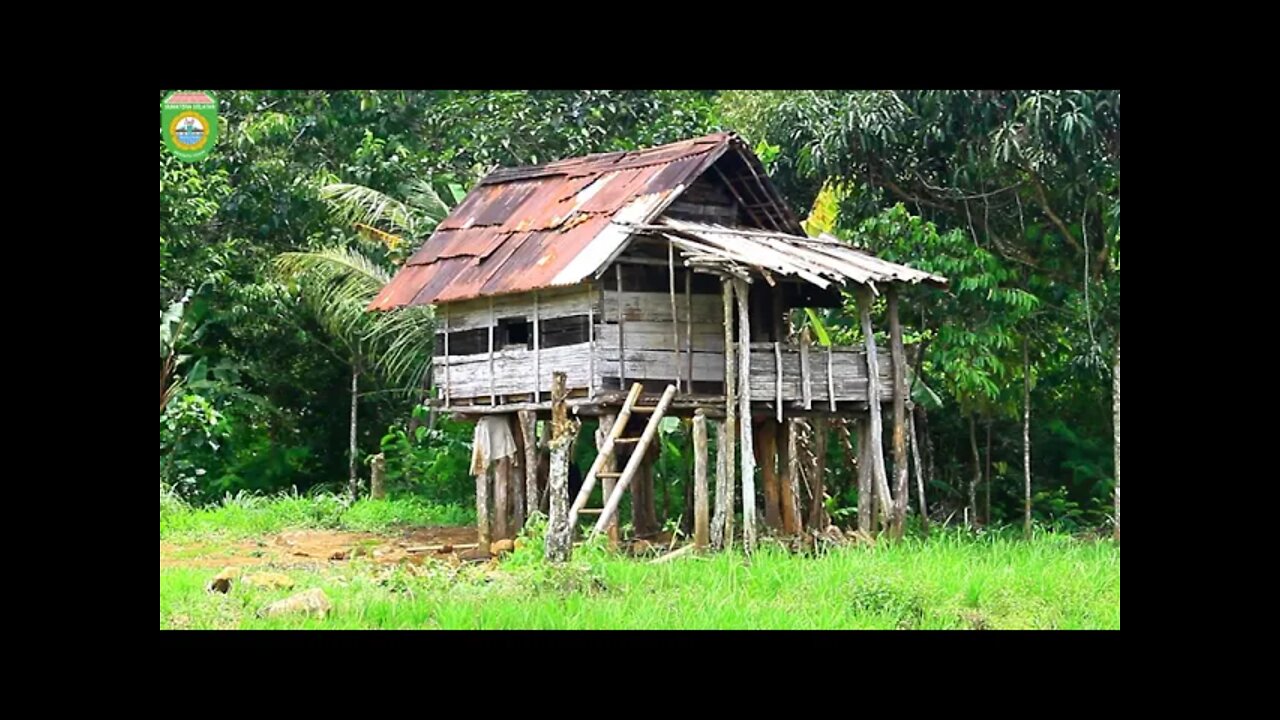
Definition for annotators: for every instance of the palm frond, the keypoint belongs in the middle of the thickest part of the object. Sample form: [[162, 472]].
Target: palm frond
[[431, 208], [357, 204], [337, 285]]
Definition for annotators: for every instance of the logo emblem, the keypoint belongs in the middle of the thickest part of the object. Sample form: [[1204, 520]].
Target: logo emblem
[[189, 124]]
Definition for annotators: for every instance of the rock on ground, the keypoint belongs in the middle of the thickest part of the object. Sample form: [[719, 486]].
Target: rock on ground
[[309, 602]]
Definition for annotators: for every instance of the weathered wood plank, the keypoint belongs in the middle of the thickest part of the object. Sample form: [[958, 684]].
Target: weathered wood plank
[[552, 303]]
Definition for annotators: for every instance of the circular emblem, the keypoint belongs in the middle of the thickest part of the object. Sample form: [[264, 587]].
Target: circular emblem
[[189, 131]]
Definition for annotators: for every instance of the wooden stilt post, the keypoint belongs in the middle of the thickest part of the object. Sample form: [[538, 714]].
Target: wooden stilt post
[[501, 483], [484, 535], [791, 522], [528, 422], [726, 439], [722, 495], [864, 475], [518, 486], [701, 519], [817, 507], [767, 458], [744, 418], [878, 472], [559, 537], [608, 428], [899, 356], [675, 317]]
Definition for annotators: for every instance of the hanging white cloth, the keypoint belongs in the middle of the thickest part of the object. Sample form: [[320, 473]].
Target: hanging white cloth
[[492, 442]]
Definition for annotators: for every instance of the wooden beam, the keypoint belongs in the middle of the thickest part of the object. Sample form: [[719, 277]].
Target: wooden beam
[[899, 356], [831, 381], [744, 410], [688, 327], [622, 322], [701, 520], [591, 338], [777, 377], [493, 397], [537, 352], [675, 322], [806, 374], [448, 385]]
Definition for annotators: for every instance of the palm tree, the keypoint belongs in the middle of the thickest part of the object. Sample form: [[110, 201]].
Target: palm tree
[[336, 285]]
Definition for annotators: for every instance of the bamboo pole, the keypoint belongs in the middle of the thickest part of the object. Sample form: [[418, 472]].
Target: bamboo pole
[[915, 456], [806, 374], [493, 397], [636, 460], [622, 327], [701, 522], [448, 379], [688, 329], [744, 410], [817, 508]]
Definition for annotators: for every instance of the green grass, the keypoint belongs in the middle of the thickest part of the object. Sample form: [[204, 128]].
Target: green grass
[[246, 515], [951, 580]]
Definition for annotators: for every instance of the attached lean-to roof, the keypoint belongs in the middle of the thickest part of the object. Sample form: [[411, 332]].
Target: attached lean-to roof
[[548, 225], [823, 261]]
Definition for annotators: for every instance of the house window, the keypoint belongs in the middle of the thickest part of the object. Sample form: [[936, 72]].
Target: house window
[[513, 332]]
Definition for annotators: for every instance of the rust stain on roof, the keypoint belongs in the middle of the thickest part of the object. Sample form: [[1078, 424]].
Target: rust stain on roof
[[519, 228]]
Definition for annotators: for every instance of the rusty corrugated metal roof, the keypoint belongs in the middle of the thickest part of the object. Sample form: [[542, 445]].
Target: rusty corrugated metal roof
[[545, 225]]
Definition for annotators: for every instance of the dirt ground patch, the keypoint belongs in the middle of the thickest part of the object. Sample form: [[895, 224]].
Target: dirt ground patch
[[314, 547]]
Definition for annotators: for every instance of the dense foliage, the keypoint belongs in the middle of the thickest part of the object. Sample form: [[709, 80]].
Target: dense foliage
[[1013, 195]]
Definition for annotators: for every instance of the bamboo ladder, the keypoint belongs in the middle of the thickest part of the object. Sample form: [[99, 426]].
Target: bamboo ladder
[[656, 413]]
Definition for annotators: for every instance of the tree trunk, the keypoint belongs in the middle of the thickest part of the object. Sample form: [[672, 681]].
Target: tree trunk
[[1026, 439], [900, 469], [559, 534], [986, 513], [1115, 391], [972, 516], [353, 478], [378, 477]]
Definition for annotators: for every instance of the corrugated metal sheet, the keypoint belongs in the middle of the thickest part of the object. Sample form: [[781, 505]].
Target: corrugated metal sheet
[[822, 261], [521, 228]]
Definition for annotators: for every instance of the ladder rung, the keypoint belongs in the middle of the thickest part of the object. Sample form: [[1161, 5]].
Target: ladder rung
[[625, 441], [590, 511], [608, 474], [643, 410]]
